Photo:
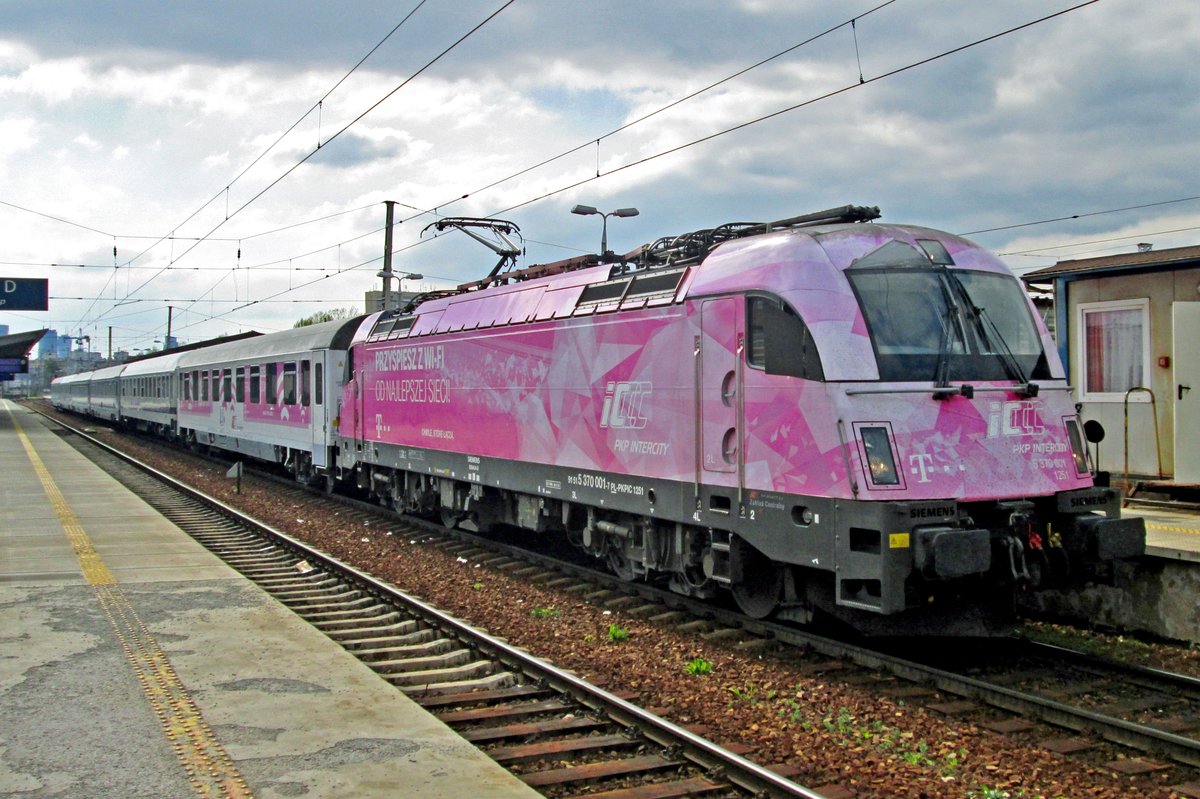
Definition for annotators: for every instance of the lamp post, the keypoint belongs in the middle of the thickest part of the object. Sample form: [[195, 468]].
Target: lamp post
[[387, 275], [587, 210]]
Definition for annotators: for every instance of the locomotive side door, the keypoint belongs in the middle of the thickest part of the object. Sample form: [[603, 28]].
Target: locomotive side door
[[718, 385]]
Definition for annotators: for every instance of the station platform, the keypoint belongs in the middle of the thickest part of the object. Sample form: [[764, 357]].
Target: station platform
[[1170, 534], [134, 663]]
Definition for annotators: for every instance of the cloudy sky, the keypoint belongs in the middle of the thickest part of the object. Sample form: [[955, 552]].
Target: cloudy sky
[[237, 159]]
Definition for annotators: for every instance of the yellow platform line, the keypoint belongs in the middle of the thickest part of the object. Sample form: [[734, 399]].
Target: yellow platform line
[[1170, 529], [209, 768]]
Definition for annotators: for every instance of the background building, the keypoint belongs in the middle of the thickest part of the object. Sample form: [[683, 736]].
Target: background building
[[1128, 330]]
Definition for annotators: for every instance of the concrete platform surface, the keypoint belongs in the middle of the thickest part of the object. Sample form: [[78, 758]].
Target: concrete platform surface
[[1170, 534], [133, 663]]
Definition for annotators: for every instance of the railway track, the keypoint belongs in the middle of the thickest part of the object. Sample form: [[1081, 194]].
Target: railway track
[[1150, 724], [1083, 703], [560, 734]]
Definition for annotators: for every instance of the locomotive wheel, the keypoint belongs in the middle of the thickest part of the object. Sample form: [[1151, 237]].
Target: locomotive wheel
[[619, 563], [757, 589]]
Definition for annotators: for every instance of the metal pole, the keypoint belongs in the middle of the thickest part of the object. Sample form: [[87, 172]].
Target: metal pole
[[167, 341], [387, 253], [110, 342]]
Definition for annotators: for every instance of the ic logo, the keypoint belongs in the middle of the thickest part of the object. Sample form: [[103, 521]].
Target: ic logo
[[623, 405], [1014, 419]]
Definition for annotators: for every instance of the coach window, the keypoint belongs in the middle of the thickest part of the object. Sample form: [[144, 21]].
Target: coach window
[[239, 384], [289, 383], [272, 386], [779, 341], [319, 384], [305, 383], [204, 386], [227, 385], [255, 394]]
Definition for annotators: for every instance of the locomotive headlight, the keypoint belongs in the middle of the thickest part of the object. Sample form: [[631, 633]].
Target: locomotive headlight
[[880, 462], [1078, 448]]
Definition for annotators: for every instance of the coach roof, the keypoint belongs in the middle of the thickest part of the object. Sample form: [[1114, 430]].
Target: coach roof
[[164, 364], [335, 335]]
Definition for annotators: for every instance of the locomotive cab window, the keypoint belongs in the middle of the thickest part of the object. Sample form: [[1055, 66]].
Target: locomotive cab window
[[779, 341], [929, 321]]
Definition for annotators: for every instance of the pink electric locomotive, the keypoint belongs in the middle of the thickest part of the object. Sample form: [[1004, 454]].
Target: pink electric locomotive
[[822, 415]]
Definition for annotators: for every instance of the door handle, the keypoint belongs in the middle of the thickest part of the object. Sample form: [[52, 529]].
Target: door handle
[[1181, 389]]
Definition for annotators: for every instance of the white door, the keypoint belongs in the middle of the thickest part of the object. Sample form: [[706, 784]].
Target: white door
[[719, 390], [319, 402], [1185, 359]]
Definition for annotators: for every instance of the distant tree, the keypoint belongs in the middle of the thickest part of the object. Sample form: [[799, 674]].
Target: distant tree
[[326, 316]]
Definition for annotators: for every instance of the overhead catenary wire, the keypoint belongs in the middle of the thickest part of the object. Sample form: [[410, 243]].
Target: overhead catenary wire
[[765, 117], [1080, 216], [292, 127], [757, 120], [225, 191], [707, 138], [335, 135], [796, 106], [544, 162]]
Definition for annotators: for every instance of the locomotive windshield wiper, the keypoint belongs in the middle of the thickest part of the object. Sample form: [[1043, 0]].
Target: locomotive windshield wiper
[[941, 377], [950, 318], [1011, 364], [989, 335]]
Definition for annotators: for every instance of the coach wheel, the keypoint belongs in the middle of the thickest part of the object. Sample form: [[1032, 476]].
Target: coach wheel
[[758, 581], [451, 518], [330, 484]]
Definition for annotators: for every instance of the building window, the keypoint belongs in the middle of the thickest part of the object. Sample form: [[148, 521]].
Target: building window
[[1114, 340]]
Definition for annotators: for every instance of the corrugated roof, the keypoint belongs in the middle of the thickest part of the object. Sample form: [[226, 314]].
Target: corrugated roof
[[1150, 259]]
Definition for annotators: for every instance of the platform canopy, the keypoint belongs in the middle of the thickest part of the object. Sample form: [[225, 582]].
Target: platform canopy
[[14, 353]]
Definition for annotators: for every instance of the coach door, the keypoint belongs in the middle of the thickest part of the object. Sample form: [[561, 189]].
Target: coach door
[[314, 384], [718, 385]]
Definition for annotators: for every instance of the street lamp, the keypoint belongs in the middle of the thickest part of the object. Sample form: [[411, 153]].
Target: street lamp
[[587, 210], [387, 274]]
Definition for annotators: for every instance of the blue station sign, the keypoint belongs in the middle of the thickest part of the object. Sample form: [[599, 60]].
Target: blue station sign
[[24, 294]]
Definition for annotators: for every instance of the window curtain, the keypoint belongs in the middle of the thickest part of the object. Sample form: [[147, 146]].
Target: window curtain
[[1114, 341]]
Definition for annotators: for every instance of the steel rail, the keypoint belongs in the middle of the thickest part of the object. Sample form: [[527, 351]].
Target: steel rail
[[1180, 748], [707, 754]]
